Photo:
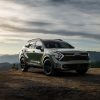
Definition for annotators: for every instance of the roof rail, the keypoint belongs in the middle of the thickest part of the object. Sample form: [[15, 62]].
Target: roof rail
[[59, 39], [34, 39], [41, 39]]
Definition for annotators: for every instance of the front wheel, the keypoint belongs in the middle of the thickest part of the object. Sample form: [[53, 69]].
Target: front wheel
[[48, 67], [23, 64], [82, 69]]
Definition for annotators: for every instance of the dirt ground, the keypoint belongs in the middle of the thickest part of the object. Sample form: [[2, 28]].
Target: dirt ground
[[34, 85]]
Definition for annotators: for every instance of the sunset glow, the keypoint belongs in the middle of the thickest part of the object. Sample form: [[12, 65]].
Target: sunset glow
[[75, 21]]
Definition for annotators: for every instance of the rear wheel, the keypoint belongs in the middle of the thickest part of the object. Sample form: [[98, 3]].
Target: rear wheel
[[48, 67], [24, 66], [82, 69]]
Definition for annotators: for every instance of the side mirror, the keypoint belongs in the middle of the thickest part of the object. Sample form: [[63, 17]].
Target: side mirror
[[38, 47], [27, 45]]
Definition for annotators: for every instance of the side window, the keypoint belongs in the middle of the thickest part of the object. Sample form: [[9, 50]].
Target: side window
[[39, 43], [27, 45], [32, 45]]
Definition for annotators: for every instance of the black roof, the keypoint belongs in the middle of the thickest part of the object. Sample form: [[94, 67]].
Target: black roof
[[45, 39]]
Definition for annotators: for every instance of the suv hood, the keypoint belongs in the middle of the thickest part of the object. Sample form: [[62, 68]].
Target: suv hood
[[64, 50]]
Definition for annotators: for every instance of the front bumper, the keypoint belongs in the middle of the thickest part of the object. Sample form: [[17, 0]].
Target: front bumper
[[68, 65]]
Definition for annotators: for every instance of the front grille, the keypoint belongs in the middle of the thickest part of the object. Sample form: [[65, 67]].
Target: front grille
[[69, 58], [73, 66]]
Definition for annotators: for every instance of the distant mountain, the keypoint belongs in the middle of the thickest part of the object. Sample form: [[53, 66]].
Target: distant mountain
[[9, 58], [94, 56], [7, 61], [5, 66]]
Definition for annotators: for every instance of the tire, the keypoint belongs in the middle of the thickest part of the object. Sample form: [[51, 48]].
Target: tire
[[23, 64], [81, 70], [48, 67]]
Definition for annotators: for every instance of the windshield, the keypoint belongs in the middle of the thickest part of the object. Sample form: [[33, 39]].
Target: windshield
[[56, 44]]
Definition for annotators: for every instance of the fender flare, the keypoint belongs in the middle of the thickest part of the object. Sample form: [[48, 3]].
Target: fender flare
[[46, 57]]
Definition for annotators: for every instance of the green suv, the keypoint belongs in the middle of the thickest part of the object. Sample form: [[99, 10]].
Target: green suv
[[53, 55]]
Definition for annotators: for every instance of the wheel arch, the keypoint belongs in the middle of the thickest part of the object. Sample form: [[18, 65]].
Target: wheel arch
[[21, 57], [45, 57]]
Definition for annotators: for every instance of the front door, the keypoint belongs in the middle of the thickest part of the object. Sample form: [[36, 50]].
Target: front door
[[30, 53], [38, 52], [34, 55]]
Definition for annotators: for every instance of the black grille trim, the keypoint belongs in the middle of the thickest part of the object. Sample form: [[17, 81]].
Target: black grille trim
[[79, 57]]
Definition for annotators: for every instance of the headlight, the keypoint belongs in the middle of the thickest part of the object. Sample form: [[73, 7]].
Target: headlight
[[58, 55]]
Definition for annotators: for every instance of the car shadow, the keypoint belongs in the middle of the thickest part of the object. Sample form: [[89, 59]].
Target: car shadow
[[88, 77]]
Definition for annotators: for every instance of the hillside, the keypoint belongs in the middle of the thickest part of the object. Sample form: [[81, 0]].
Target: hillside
[[9, 58], [5, 66], [94, 56], [34, 85]]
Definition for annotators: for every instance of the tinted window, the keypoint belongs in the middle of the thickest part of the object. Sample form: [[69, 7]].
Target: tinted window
[[27, 45], [38, 43], [56, 44], [30, 44], [33, 43]]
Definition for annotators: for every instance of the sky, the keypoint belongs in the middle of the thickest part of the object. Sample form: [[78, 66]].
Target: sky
[[75, 21]]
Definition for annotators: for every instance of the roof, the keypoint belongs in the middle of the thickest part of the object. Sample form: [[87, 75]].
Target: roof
[[45, 39]]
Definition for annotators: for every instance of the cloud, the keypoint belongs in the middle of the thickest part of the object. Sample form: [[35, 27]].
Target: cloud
[[36, 23], [18, 40], [76, 21], [70, 18], [49, 31]]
